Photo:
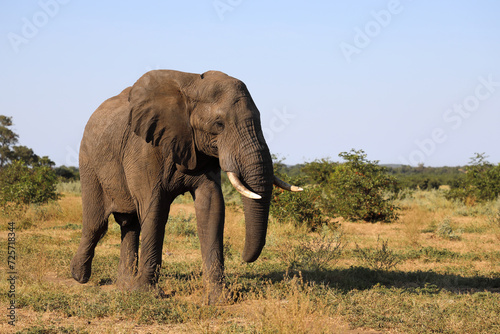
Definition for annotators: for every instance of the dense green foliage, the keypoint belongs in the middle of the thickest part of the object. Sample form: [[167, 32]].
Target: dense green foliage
[[356, 189], [424, 178], [25, 178], [9, 152], [300, 208], [481, 181], [21, 184], [67, 174], [359, 189]]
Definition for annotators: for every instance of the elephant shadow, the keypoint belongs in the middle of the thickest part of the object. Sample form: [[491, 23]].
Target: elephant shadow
[[362, 278]]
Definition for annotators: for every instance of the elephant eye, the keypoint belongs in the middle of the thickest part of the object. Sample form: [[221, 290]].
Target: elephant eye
[[219, 126]]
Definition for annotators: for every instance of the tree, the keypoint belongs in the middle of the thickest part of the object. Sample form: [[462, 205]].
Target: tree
[[25, 178], [9, 152], [24, 154], [7, 139], [481, 181], [67, 173]]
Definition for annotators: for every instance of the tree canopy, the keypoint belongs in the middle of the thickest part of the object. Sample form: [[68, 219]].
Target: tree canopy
[[25, 178], [10, 152]]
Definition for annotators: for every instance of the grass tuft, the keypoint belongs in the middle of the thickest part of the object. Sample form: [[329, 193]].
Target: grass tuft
[[380, 258], [445, 231]]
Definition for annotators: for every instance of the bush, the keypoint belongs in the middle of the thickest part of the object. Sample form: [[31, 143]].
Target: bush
[[299, 208], [20, 184], [381, 258], [358, 189], [316, 253], [480, 183], [319, 171], [445, 231]]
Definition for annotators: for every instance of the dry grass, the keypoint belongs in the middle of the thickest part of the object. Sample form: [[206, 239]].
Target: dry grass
[[431, 289]]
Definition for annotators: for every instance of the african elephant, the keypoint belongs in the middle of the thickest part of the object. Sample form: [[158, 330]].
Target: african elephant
[[170, 133]]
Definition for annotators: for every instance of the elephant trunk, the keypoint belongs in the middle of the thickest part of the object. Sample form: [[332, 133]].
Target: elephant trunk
[[257, 175], [256, 215]]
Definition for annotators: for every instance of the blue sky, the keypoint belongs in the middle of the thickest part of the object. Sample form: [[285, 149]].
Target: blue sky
[[407, 81]]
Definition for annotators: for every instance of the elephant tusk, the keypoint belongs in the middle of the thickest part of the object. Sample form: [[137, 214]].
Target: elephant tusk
[[235, 181], [283, 185]]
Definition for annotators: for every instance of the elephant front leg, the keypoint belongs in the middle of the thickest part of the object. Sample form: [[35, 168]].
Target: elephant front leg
[[209, 205], [129, 249], [152, 235]]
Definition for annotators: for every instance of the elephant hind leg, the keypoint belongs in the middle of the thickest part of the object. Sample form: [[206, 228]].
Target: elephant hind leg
[[94, 226], [130, 230]]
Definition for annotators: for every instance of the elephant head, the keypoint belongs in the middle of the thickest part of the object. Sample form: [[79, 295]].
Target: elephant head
[[197, 118]]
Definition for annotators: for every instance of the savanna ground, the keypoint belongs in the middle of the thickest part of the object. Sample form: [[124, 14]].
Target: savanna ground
[[435, 270]]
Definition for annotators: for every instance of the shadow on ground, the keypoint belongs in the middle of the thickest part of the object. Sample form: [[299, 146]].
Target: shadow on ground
[[361, 278]]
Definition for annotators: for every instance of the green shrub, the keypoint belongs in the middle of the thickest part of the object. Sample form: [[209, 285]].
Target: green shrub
[[358, 189], [381, 258], [445, 231], [480, 183], [20, 184], [315, 253], [299, 208], [319, 171]]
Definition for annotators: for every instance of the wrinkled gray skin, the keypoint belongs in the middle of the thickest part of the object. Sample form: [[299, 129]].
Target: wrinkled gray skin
[[170, 133]]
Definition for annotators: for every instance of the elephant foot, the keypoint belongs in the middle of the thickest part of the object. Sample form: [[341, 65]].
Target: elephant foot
[[127, 277], [218, 295], [126, 283], [156, 290], [81, 269], [144, 283]]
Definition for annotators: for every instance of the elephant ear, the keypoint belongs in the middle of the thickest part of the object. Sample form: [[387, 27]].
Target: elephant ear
[[159, 115]]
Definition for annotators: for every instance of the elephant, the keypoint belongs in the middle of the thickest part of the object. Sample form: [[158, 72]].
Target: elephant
[[168, 134]]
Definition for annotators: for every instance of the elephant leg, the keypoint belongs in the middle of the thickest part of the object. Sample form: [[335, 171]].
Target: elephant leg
[[152, 235], [130, 231], [94, 226], [209, 206]]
